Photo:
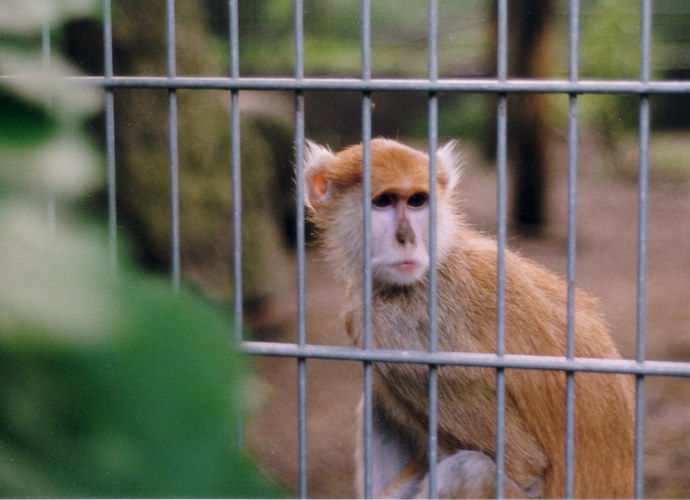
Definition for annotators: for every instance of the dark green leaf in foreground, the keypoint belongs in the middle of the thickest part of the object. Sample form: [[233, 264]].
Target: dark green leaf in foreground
[[112, 387]]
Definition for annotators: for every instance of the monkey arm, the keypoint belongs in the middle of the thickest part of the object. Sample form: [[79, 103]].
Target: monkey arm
[[395, 443], [400, 437]]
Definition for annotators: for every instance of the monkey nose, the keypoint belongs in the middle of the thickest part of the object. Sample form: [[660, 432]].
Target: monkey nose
[[404, 233]]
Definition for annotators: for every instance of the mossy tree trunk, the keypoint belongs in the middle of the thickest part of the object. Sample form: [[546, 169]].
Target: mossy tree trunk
[[204, 131]]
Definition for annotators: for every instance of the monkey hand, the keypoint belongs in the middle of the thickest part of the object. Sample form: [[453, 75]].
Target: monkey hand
[[465, 474]]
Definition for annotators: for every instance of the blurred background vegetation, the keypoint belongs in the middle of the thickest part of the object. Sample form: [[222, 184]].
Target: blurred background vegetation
[[538, 48]]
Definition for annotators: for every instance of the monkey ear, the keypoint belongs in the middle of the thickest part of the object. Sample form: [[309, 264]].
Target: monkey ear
[[317, 185], [451, 162]]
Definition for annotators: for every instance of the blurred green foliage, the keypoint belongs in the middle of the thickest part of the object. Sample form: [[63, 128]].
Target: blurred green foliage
[[112, 384], [333, 31], [609, 49]]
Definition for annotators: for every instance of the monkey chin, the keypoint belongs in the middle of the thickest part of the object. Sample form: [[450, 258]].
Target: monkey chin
[[399, 273]]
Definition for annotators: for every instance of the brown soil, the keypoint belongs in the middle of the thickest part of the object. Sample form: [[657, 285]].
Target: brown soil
[[606, 266]]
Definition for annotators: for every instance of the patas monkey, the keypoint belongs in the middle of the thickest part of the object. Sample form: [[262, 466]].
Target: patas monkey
[[535, 324]]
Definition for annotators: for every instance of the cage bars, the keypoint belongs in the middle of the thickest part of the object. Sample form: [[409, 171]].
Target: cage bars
[[51, 202], [573, 75], [110, 135], [301, 315], [502, 85], [368, 397], [235, 189], [645, 51], [467, 85], [471, 359], [173, 146], [501, 234], [236, 173], [433, 244]]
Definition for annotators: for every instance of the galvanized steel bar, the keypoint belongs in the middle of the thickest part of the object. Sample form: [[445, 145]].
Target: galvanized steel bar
[[366, 42], [236, 190], [174, 190], [470, 85], [433, 240], [645, 63], [641, 295], [45, 67], [45, 58], [173, 148], [301, 321], [501, 234], [470, 359], [236, 171], [573, 75], [234, 39], [366, 251], [110, 135]]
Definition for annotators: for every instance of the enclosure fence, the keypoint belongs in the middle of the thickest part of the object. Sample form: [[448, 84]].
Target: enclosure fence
[[365, 84]]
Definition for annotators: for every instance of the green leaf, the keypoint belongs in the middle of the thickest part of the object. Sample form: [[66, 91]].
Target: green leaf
[[23, 124]]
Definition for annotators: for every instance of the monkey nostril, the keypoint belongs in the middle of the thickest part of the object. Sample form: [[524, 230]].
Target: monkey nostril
[[404, 233]]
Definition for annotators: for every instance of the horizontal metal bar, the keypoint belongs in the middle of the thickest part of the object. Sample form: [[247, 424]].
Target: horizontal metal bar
[[476, 85], [490, 360]]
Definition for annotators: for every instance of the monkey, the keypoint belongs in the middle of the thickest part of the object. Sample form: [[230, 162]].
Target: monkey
[[466, 271]]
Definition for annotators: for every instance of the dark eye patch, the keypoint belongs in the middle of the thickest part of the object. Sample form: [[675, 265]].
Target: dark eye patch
[[384, 200], [418, 200]]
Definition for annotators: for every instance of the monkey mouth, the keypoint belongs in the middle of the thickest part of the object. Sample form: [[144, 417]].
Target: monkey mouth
[[405, 266]]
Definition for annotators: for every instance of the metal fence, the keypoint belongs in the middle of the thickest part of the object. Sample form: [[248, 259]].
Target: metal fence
[[365, 84]]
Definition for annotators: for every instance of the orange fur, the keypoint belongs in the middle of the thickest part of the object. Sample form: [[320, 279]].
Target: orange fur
[[535, 324]]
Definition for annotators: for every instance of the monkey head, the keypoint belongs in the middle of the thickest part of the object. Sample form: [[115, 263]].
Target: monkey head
[[400, 214]]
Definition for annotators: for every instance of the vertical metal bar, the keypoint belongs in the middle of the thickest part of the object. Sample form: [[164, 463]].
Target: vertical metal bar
[[45, 62], [433, 40], [110, 135], [236, 190], [366, 250], [570, 335], [236, 173], [366, 40], [641, 295], [501, 233], [234, 33], [645, 50], [301, 322], [173, 148], [433, 278], [45, 56], [573, 72]]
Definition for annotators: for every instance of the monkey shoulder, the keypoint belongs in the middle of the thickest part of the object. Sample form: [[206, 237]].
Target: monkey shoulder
[[536, 302]]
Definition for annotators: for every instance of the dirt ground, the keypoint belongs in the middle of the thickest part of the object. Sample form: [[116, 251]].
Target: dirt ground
[[606, 267]]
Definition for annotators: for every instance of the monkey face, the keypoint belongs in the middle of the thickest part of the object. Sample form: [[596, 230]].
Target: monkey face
[[399, 237], [400, 187]]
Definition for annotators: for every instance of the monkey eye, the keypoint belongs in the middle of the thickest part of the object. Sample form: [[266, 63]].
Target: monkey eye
[[418, 200], [384, 200]]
